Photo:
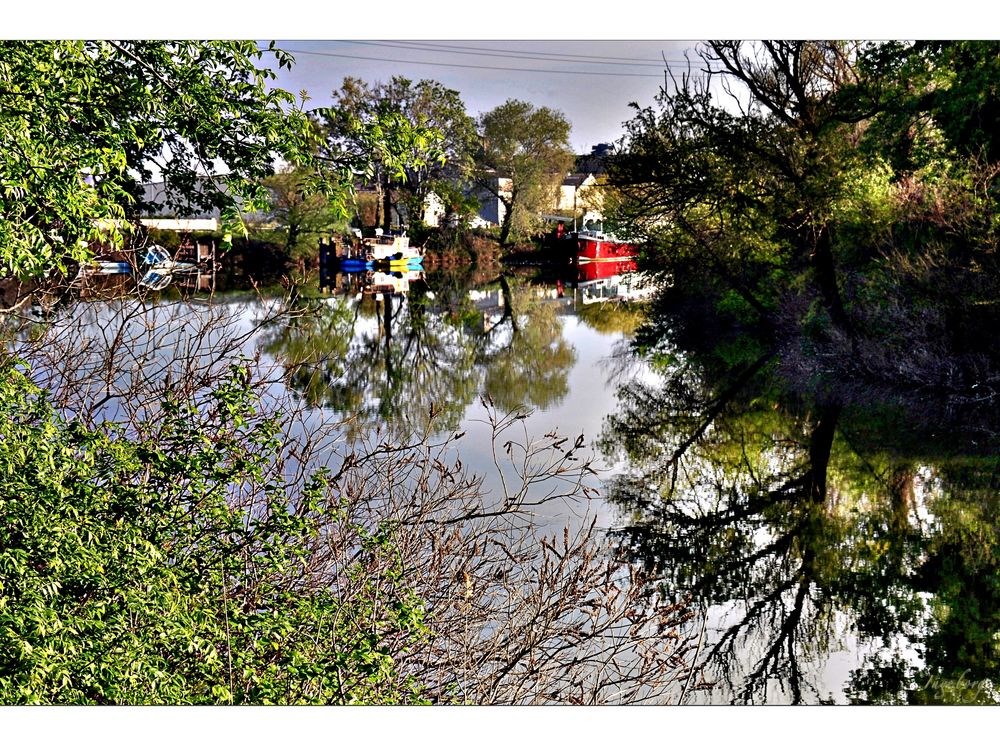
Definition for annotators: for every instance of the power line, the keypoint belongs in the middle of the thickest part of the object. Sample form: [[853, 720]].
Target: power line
[[547, 54], [475, 67], [519, 54]]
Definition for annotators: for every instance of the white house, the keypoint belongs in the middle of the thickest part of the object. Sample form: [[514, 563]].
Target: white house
[[491, 209], [577, 192], [433, 210]]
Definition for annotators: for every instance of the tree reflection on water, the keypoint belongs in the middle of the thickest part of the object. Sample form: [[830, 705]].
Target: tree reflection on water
[[842, 520], [404, 361]]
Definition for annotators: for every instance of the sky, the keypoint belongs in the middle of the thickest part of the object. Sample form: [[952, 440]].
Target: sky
[[591, 82], [564, 39]]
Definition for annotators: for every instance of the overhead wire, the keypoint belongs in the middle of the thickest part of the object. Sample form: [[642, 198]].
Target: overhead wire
[[473, 67], [546, 71], [595, 57], [518, 54]]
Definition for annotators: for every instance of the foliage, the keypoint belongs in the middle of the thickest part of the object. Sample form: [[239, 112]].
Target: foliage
[[840, 196], [82, 118], [530, 146], [172, 240], [516, 609], [460, 207], [171, 565], [749, 191], [436, 148], [941, 100], [301, 217]]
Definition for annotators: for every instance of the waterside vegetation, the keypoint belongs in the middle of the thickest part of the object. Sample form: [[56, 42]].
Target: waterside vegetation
[[172, 531]]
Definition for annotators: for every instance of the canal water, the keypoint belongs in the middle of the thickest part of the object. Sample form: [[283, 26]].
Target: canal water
[[840, 549]]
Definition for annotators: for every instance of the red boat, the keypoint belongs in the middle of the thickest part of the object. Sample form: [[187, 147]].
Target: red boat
[[599, 247]]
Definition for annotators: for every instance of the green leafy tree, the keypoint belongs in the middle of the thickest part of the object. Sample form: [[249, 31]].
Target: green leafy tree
[[430, 104], [939, 101], [82, 119], [300, 216], [529, 146], [843, 190], [748, 194], [443, 153]]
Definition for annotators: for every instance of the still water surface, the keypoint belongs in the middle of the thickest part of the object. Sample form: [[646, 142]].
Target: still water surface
[[838, 549]]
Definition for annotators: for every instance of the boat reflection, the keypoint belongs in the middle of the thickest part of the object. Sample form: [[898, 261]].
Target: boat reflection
[[377, 283], [602, 281], [155, 269]]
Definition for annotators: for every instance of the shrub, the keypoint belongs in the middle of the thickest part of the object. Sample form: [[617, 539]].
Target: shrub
[[169, 563]]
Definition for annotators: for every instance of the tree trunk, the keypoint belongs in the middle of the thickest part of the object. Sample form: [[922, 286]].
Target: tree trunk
[[826, 278], [820, 446], [293, 238], [507, 222], [386, 206]]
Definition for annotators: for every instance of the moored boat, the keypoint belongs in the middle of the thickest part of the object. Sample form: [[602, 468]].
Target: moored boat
[[390, 247], [587, 245], [594, 246]]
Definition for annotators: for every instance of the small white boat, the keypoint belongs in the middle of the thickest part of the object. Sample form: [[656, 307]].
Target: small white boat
[[392, 248], [161, 267]]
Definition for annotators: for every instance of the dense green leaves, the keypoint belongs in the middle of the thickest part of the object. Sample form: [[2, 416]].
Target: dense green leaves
[[408, 134], [80, 120], [529, 146], [174, 565], [299, 215]]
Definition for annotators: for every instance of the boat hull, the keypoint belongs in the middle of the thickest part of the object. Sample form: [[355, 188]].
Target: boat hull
[[597, 248]]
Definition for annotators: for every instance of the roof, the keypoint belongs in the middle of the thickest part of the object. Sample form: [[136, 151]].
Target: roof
[[576, 180], [156, 204]]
